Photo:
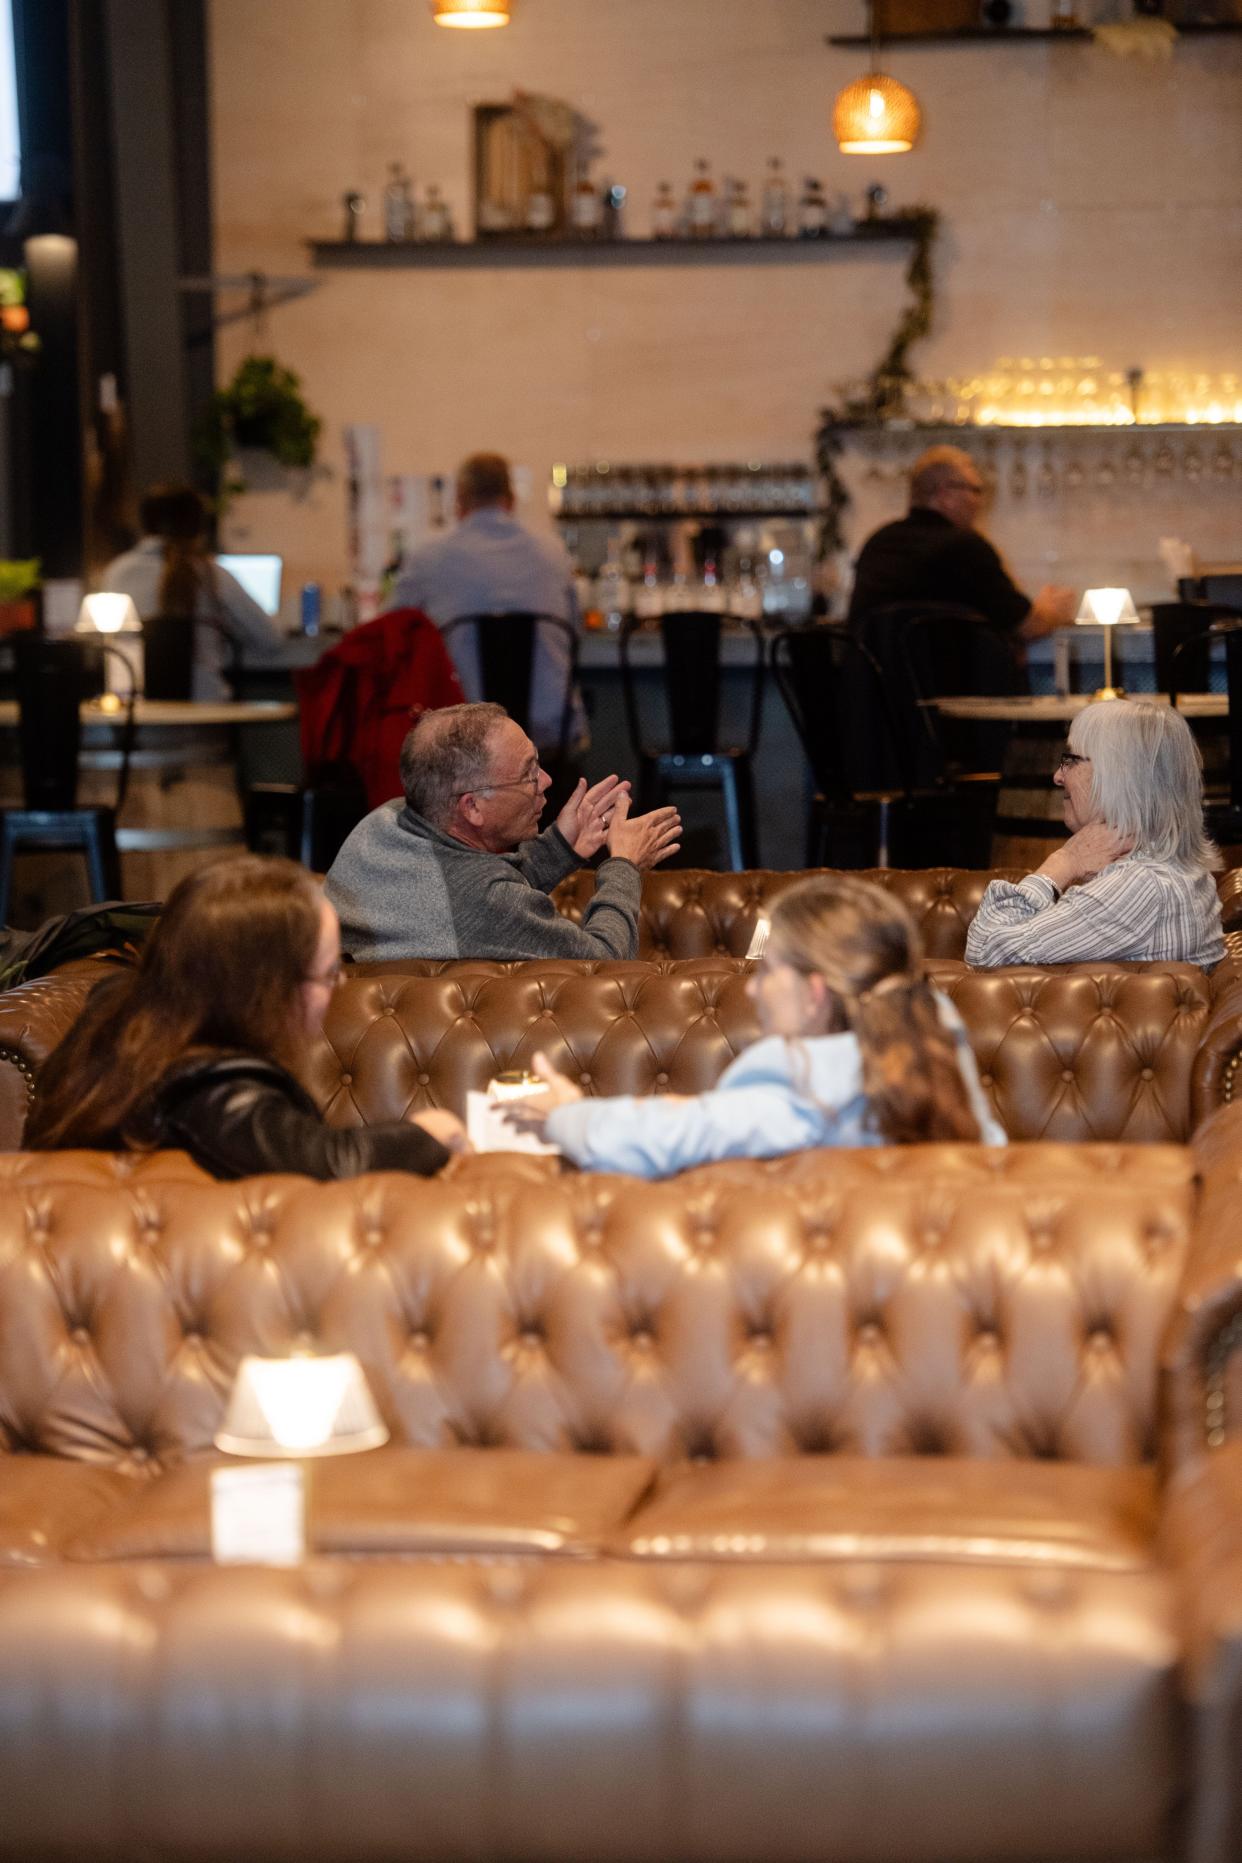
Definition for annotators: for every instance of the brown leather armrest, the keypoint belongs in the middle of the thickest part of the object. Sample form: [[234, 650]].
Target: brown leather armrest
[[1217, 1076], [1229, 889], [1202, 1357], [1201, 1538]]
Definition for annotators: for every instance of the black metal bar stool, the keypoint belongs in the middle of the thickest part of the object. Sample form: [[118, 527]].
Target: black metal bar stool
[[53, 677]]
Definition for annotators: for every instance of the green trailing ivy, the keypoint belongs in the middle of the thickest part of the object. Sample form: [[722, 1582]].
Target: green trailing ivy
[[262, 407], [882, 397]]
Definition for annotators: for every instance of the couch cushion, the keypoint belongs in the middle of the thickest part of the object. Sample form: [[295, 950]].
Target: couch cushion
[[849, 1713], [45, 1501], [840, 1507], [480, 1502]]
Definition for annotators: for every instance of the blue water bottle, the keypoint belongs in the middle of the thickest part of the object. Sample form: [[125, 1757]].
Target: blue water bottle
[[311, 594]]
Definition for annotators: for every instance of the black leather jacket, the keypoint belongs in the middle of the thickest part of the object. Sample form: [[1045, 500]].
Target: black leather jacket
[[237, 1116]]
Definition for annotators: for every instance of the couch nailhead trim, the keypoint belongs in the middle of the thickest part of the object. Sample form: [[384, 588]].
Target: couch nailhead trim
[[1215, 1409]]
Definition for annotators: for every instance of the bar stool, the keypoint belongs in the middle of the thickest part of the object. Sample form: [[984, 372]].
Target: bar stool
[[53, 677], [694, 757]]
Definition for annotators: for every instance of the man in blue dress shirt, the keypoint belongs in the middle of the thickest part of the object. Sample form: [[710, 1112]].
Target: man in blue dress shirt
[[491, 564]]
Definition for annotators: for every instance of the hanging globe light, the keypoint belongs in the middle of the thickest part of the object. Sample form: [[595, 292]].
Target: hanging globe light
[[471, 13], [876, 115]]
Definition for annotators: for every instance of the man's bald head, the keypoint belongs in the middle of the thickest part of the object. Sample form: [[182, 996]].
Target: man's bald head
[[946, 479]]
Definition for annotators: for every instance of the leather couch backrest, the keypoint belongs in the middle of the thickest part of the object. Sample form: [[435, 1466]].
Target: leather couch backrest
[[1106, 1051], [932, 1301], [691, 912], [1094, 1051]]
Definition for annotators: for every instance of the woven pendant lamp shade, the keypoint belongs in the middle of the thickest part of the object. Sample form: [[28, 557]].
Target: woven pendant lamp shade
[[876, 115], [474, 13]]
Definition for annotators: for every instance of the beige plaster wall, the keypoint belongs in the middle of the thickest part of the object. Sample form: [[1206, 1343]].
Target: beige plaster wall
[[1092, 205]]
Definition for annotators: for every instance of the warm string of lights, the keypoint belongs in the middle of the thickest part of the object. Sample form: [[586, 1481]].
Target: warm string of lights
[[1077, 392]]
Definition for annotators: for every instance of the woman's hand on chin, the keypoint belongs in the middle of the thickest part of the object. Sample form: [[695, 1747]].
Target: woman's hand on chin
[[1085, 854]]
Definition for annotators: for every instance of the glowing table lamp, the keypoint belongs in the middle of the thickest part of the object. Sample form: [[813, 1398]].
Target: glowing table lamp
[[300, 1406], [108, 617], [1107, 608]]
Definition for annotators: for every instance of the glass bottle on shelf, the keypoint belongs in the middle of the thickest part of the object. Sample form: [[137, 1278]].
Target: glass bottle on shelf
[[612, 590], [664, 213], [540, 210], [775, 214], [739, 222], [586, 213], [812, 211], [701, 202], [398, 205], [1064, 16], [437, 222]]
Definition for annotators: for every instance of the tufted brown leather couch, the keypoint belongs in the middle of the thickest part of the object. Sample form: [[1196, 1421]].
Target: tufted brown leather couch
[[856, 1508], [1101, 1051]]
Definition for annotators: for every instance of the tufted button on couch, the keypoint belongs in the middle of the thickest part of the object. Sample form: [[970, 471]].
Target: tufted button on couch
[[854, 1507]]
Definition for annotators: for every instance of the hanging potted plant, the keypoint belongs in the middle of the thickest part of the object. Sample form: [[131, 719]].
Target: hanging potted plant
[[19, 581], [260, 409]]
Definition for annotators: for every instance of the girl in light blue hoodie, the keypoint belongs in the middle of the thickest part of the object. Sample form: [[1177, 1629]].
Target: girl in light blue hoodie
[[856, 1048]]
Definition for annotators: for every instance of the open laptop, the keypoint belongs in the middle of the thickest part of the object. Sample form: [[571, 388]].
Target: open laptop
[[259, 575]]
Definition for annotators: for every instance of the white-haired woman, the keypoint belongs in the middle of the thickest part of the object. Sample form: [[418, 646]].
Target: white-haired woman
[[1134, 880]]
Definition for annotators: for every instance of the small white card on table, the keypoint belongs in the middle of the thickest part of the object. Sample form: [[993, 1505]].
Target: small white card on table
[[487, 1130], [258, 1515]]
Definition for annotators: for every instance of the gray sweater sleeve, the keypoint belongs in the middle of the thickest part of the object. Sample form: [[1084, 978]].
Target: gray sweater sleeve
[[510, 918], [548, 859]]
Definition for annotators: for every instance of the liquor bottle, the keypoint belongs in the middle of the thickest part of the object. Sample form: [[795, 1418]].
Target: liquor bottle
[[586, 213], [739, 221], [701, 202], [664, 213], [540, 211], [812, 211], [1064, 16], [437, 223], [398, 205], [775, 201]]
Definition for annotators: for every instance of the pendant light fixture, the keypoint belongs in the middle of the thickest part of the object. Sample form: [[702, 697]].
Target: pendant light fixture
[[876, 115], [471, 13]]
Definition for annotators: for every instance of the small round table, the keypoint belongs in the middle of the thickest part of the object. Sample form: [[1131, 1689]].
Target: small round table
[[1028, 809], [183, 803]]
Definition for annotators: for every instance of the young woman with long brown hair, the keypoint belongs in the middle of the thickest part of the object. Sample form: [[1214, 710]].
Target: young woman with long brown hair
[[856, 1048], [204, 1046], [171, 573]]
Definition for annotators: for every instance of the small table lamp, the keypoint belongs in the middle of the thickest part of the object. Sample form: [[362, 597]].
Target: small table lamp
[[300, 1406], [108, 616], [1107, 608]]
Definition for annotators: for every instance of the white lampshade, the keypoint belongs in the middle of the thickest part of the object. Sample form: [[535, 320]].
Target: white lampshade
[[1106, 608], [108, 613], [301, 1406]]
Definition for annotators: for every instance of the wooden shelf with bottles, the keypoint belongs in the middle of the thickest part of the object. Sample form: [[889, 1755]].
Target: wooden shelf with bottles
[[1027, 430], [537, 249], [714, 514], [1018, 35]]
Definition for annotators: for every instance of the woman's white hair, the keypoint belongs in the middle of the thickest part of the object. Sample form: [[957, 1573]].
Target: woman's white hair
[[1146, 779]]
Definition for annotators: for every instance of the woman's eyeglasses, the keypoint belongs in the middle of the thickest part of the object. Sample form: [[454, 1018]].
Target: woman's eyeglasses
[[1069, 758]]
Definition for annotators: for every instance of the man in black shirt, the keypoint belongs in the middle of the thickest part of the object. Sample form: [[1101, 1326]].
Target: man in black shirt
[[935, 554]]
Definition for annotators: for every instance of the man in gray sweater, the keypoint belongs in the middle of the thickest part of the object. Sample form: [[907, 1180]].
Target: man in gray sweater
[[459, 868]]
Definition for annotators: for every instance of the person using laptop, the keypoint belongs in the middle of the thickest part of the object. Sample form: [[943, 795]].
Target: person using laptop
[[172, 574]]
